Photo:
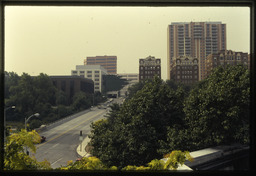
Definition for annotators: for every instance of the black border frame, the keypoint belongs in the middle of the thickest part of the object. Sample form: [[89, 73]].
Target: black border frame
[[155, 3]]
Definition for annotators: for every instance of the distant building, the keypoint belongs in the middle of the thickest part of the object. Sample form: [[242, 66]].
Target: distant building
[[113, 83], [184, 69], [131, 77], [195, 39], [226, 57], [93, 72], [108, 62], [149, 67], [72, 84]]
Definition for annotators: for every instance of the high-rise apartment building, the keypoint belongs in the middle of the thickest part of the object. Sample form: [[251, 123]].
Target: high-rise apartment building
[[195, 39], [149, 67], [93, 72], [108, 62], [224, 58], [185, 70]]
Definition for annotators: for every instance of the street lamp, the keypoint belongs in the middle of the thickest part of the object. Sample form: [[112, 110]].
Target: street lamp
[[27, 119], [13, 107]]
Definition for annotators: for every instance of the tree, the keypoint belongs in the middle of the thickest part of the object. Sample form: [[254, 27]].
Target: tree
[[15, 157], [11, 79], [130, 134], [81, 101], [217, 110], [173, 161], [61, 98]]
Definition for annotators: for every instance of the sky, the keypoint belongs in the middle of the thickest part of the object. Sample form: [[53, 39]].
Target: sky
[[54, 39]]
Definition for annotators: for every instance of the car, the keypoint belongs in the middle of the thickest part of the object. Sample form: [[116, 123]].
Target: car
[[43, 139]]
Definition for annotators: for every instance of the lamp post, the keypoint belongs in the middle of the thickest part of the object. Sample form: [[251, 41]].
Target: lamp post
[[26, 121], [13, 107]]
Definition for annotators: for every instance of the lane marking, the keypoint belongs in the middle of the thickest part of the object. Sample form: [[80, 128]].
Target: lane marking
[[69, 130], [54, 145], [56, 161]]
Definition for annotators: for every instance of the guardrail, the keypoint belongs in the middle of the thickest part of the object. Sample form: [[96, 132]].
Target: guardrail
[[60, 121]]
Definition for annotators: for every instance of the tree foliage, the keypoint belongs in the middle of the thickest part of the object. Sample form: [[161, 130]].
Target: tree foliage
[[161, 117], [217, 111], [15, 157], [131, 132], [31, 94], [171, 162]]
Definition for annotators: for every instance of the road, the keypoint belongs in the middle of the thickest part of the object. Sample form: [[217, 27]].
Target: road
[[62, 140]]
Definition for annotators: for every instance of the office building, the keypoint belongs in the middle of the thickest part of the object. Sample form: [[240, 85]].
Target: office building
[[184, 69], [224, 58], [93, 72], [107, 62], [195, 39], [71, 85], [149, 68]]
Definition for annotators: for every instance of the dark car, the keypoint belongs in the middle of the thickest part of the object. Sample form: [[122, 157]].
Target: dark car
[[43, 139]]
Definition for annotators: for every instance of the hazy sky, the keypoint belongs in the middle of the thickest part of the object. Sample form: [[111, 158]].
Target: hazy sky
[[53, 40]]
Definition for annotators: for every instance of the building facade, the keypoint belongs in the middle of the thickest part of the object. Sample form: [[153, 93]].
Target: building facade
[[72, 85], [185, 69], [195, 39], [149, 67], [107, 62], [93, 72], [224, 58]]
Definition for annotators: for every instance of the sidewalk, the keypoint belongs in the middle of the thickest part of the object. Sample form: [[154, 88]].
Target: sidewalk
[[82, 152]]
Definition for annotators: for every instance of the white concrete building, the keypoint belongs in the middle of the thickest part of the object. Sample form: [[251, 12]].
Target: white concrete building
[[93, 72]]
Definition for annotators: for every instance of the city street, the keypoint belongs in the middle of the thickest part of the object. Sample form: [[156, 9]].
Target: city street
[[62, 140]]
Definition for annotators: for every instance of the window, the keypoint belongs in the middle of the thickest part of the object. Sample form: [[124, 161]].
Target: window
[[97, 76], [74, 72], [81, 71], [89, 71], [96, 80], [89, 76], [96, 71]]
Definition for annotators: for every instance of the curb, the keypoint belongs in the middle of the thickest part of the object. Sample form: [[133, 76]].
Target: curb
[[83, 153]]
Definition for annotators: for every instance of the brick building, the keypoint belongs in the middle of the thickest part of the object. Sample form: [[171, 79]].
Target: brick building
[[107, 62], [149, 67], [185, 69], [226, 57]]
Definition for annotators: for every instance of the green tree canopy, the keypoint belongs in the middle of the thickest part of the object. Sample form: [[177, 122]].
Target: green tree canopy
[[131, 133], [217, 111]]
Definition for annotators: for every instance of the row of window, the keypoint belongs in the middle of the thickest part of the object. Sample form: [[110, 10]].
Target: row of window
[[97, 76], [231, 58], [186, 67], [149, 68], [148, 77], [151, 72], [186, 72], [82, 72], [186, 77]]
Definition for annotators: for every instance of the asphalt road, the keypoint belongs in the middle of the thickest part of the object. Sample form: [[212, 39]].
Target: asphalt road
[[63, 139]]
